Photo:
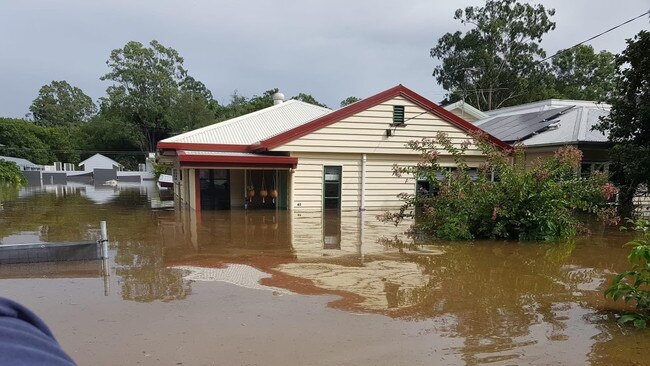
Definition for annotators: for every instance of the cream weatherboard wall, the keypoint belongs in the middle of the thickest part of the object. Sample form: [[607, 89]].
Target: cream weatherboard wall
[[344, 143]]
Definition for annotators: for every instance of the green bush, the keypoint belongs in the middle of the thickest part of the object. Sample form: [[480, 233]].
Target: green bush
[[634, 285], [533, 202], [10, 174]]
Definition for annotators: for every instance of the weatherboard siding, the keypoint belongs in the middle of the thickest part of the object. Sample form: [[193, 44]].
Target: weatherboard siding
[[382, 186], [365, 132]]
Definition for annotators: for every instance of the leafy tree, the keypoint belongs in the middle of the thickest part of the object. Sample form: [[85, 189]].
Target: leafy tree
[[40, 144], [149, 83], [21, 139], [121, 138], [60, 103], [580, 73], [349, 100], [307, 98], [10, 174], [529, 203], [495, 63], [240, 105], [628, 123], [193, 107]]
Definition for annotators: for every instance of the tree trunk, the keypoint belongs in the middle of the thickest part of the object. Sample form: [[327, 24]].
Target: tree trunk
[[625, 197]]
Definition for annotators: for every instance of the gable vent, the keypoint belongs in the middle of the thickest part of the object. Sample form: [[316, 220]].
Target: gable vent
[[398, 114]]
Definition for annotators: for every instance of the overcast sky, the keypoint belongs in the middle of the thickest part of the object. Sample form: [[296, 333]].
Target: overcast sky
[[331, 49]]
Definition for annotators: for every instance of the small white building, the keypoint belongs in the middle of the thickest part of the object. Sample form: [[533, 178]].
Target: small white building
[[302, 157], [99, 161]]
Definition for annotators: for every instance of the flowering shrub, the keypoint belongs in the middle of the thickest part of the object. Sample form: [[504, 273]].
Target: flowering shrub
[[538, 201]]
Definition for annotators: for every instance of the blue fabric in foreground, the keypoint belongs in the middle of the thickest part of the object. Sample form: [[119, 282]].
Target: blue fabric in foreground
[[25, 340]]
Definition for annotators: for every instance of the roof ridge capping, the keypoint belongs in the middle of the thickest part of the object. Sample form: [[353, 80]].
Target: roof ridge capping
[[550, 103], [398, 90]]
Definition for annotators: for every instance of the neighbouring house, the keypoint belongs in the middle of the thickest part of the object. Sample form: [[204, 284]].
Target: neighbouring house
[[542, 127], [99, 161], [23, 164], [298, 156], [465, 111]]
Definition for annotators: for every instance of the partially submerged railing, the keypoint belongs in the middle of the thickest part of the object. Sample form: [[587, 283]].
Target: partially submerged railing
[[55, 252], [58, 252]]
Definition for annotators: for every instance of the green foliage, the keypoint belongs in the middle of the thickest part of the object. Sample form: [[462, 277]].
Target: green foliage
[[349, 100], [21, 140], [61, 104], [153, 92], [634, 285], [582, 74], [497, 63], [240, 105], [10, 174], [628, 123], [307, 98], [533, 202], [494, 64], [39, 144], [161, 168]]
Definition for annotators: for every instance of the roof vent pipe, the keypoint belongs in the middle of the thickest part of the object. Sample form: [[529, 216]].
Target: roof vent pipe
[[278, 98]]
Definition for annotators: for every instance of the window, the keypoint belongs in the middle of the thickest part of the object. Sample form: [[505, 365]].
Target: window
[[586, 169], [332, 187], [398, 114]]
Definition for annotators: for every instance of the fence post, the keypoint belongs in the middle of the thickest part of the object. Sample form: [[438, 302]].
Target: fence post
[[102, 225]]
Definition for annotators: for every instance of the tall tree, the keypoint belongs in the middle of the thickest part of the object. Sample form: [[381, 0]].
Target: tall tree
[[580, 73], [59, 103], [349, 100], [148, 82], [628, 123], [495, 63]]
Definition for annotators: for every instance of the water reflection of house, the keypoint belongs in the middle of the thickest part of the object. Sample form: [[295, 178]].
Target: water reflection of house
[[335, 251], [303, 157]]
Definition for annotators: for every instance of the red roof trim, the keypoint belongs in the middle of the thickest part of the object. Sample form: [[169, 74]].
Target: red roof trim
[[364, 104], [232, 160], [206, 147]]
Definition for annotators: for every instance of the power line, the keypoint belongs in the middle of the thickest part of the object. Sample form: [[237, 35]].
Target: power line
[[594, 37], [563, 50]]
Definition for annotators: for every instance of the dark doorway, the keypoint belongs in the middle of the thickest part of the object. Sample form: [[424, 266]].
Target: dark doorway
[[215, 189]]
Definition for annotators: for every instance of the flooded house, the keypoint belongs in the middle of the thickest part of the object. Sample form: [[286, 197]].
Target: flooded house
[[298, 156]]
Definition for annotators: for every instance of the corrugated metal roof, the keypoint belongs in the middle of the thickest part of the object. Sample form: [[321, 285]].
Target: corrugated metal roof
[[573, 125], [19, 161], [254, 127], [516, 127], [217, 153]]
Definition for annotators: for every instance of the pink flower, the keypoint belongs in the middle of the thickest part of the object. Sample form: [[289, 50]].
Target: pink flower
[[608, 190], [495, 211]]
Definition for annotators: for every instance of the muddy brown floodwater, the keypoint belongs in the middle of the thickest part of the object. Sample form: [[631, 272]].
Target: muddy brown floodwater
[[282, 288]]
